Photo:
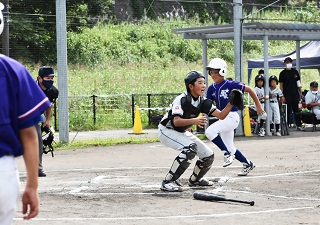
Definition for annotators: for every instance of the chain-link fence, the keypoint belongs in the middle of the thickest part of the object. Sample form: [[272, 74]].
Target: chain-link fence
[[98, 112]]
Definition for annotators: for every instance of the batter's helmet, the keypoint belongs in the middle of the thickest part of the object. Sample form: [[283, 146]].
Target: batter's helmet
[[1, 18], [218, 64], [191, 76], [258, 77], [273, 77]]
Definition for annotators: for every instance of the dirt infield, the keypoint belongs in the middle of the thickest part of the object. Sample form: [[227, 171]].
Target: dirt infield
[[120, 185]]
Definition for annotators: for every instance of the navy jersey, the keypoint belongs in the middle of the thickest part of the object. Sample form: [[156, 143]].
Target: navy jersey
[[219, 93], [21, 104]]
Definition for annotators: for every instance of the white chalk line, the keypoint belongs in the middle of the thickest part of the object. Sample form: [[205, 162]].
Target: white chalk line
[[276, 175], [275, 196], [141, 168], [168, 217]]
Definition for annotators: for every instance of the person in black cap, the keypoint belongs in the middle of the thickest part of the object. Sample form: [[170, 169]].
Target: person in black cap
[[290, 86], [313, 99], [45, 80]]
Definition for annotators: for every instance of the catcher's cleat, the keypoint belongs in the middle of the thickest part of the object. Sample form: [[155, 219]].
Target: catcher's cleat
[[202, 182], [172, 186], [246, 169], [228, 159]]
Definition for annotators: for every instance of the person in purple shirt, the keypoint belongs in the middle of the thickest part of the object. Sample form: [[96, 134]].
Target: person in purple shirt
[[21, 105], [219, 93]]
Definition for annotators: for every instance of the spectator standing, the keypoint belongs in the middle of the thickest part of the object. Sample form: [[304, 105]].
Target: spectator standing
[[290, 86], [275, 97], [259, 90]]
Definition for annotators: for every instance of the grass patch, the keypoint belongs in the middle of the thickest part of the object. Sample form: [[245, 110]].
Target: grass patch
[[104, 143]]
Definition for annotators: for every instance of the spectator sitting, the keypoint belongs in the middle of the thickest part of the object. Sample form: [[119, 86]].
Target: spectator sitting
[[313, 99]]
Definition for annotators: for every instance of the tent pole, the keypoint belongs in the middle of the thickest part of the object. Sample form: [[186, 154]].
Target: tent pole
[[298, 55]]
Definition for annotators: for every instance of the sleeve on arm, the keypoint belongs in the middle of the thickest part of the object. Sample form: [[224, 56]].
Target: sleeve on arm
[[36, 102]]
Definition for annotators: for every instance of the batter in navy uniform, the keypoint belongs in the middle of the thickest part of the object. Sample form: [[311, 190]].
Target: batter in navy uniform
[[219, 92]]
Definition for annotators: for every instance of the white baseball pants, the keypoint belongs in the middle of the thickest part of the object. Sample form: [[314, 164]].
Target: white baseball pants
[[9, 189], [177, 141]]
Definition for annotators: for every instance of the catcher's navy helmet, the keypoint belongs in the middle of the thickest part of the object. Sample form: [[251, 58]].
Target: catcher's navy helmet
[[191, 76], [273, 77]]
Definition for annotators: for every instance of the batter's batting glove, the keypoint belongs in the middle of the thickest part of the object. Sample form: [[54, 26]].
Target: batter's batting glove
[[236, 98]]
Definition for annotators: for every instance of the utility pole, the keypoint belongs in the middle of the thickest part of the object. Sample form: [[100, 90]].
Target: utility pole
[[62, 64]]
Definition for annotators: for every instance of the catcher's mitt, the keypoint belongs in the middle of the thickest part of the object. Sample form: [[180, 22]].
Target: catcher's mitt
[[236, 98]]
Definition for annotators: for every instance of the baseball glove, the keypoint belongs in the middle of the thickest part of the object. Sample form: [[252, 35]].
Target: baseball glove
[[236, 98]]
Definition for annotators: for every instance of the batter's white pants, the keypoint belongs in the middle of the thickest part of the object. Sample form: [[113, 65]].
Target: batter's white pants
[[177, 141], [226, 130], [9, 189], [275, 112]]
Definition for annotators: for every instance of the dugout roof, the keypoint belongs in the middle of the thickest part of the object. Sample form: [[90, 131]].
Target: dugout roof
[[254, 31]]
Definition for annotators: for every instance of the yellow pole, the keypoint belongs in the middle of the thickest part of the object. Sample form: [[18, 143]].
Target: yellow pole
[[246, 121]]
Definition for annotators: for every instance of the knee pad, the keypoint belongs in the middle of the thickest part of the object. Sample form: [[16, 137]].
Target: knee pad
[[191, 151], [206, 162]]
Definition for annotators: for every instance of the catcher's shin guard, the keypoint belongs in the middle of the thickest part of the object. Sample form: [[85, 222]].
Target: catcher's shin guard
[[201, 168], [182, 162]]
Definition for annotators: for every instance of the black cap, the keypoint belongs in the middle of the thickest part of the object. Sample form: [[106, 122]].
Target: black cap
[[314, 84], [46, 71], [288, 59]]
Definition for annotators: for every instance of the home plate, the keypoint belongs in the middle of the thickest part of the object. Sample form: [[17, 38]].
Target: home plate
[[221, 179]]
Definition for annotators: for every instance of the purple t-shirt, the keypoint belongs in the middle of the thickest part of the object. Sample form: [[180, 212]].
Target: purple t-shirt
[[21, 104], [219, 93]]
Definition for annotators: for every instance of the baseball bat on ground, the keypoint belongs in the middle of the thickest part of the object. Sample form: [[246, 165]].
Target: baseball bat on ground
[[211, 197]]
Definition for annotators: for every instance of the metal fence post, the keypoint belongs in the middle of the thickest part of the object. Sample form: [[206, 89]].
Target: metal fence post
[[149, 111], [94, 108], [132, 108]]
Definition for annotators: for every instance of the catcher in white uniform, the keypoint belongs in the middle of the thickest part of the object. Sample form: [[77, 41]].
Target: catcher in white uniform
[[173, 132], [275, 94]]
